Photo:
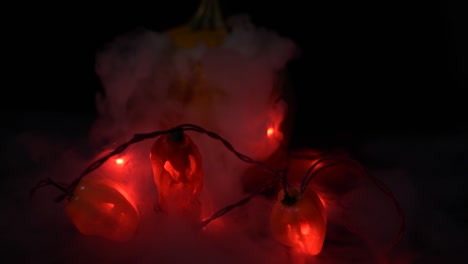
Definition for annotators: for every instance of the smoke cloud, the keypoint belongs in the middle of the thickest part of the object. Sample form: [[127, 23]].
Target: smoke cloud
[[152, 85]]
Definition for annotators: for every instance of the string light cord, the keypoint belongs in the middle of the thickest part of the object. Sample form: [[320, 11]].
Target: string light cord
[[245, 158], [98, 163], [377, 182], [68, 191], [285, 175], [306, 179], [279, 177], [44, 183], [260, 189]]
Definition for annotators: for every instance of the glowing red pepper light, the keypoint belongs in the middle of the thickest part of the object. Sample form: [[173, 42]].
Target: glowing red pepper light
[[270, 132], [299, 221], [101, 207], [178, 174]]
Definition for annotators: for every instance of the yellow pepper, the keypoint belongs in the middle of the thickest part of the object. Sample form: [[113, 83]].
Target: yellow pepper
[[206, 26]]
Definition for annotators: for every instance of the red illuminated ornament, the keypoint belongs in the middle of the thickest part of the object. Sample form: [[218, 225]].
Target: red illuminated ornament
[[178, 174], [101, 207], [270, 132], [299, 221]]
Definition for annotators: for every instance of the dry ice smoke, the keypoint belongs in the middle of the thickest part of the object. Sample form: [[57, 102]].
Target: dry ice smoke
[[139, 72], [151, 85], [232, 90]]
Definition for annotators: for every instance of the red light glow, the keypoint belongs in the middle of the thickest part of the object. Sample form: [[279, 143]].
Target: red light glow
[[119, 161], [103, 208], [300, 224], [178, 175], [270, 132], [323, 201]]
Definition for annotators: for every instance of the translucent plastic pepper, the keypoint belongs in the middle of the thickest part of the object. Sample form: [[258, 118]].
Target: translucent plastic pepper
[[299, 221], [101, 207], [178, 174]]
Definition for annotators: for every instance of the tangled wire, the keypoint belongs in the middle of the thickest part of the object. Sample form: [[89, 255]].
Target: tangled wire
[[279, 176]]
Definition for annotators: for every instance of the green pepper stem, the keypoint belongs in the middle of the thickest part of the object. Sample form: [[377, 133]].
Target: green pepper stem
[[208, 16]]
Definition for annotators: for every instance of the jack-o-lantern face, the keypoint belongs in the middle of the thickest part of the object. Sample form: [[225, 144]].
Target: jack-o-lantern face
[[101, 207], [299, 221], [178, 174]]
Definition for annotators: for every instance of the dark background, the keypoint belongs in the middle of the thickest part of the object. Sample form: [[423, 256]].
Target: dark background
[[367, 69], [389, 73]]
